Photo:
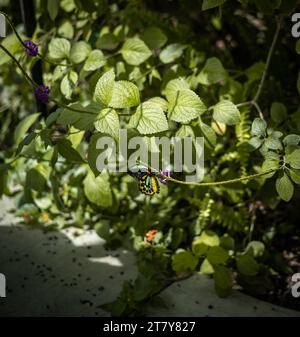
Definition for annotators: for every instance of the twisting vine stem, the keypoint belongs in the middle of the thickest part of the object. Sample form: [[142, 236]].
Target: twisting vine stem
[[254, 101], [268, 61], [217, 183], [213, 183]]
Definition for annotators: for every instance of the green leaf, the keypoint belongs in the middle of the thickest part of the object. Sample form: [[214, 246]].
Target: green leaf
[[120, 94], [93, 153], [68, 84], [259, 127], [227, 242], [23, 127], [226, 112], [199, 248], [125, 95], [273, 143], [104, 87], [183, 260], [68, 5], [149, 118], [4, 168], [295, 176], [160, 101], [95, 60], [102, 228], [255, 143], [298, 82], [223, 281], [25, 141], [291, 139], [66, 150], [278, 112], [83, 119], [11, 43], [185, 131], [171, 52], [210, 137], [184, 106], [79, 52], [293, 158], [108, 122], [36, 180], [255, 71], [255, 248], [55, 187], [208, 4], [154, 37], [52, 7], [107, 41], [135, 51], [246, 265], [175, 85], [206, 267], [98, 190], [212, 72], [268, 165], [285, 187], [209, 238], [66, 30], [59, 48], [217, 255]]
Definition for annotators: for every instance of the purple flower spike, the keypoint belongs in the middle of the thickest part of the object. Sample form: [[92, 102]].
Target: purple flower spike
[[166, 173], [31, 48], [42, 93]]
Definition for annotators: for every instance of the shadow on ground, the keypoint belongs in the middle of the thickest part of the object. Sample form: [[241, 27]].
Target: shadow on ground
[[59, 274]]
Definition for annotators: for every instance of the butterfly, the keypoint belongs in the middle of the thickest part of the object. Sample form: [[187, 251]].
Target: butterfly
[[147, 180]]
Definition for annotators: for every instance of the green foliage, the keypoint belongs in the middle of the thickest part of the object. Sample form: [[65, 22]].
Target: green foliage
[[135, 51]]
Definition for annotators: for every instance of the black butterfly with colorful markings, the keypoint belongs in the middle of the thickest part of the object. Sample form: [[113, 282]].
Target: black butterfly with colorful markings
[[148, 182]]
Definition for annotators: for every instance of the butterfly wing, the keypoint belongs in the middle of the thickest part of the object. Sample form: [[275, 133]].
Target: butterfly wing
[[149, 185], [137, 171]]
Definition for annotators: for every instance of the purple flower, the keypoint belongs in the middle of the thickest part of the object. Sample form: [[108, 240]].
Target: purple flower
[[42, 93], [31, 48], [166, 173]]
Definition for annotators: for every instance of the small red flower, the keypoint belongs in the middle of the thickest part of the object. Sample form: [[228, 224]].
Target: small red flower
[[150, 235]]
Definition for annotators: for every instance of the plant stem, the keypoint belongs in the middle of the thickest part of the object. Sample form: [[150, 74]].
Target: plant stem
[[270, 53], [254, 101], [217, 183], [214, 183], [23, 44], [29, 79]]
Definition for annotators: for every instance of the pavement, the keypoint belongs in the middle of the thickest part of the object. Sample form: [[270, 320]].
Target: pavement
[[71, 273]]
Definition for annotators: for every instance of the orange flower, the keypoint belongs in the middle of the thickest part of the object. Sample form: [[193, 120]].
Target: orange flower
[[150, 235]]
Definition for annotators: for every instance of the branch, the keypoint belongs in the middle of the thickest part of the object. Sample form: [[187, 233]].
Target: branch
[[270, 53], [254, 101], [213, 183], [23, 44], [28, 78], [217, 183]]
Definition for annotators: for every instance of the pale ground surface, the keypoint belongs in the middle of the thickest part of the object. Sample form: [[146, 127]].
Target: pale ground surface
[[59, 274]]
